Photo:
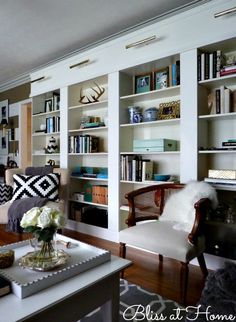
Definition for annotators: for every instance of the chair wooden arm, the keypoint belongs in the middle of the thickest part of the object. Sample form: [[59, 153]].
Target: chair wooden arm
[[201, 207], [159, 198]]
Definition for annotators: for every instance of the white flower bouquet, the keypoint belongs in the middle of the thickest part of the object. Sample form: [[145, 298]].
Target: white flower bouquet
[[43, 223]]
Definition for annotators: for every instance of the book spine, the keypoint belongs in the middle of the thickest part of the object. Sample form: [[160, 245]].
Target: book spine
[[207, 66], [217, 94], [199, 75], [214, 63]]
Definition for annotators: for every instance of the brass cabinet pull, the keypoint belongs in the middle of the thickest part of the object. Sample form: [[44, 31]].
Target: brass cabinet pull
[[141, 42], [84, 62], [225, 12], [37, 79]]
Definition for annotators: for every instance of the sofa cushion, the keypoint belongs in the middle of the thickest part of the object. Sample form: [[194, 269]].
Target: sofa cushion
[[45, 186]]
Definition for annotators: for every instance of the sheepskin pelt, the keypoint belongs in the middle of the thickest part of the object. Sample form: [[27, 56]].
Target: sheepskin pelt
[[179, 206]]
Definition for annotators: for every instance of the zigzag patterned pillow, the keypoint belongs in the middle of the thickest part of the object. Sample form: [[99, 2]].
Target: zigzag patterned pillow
[[5, 193], [45, 186]]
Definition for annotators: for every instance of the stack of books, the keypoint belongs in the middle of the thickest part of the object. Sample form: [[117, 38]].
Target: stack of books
[[222, 177]]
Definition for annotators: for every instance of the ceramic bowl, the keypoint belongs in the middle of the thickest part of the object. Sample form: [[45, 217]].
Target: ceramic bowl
[[161, 177]]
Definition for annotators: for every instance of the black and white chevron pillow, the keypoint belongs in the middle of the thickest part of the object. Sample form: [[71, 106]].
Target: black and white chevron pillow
[[5, 193], [45, 186]]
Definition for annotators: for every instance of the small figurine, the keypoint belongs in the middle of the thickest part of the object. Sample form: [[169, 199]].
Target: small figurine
[[52, 146]]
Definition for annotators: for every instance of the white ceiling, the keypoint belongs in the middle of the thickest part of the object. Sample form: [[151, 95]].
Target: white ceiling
[[35, 32]]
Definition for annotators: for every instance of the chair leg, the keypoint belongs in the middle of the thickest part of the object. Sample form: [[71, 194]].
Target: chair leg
[[202, 263], [122, 252], [184, 281], [160, 258]]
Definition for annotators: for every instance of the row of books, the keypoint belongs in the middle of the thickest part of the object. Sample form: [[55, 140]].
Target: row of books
[[168, 76], [52, 124], [209, 64], [134, 168], [83, 144], [222, 100]]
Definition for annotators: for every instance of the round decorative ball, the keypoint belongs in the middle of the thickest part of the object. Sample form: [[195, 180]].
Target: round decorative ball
[[6, 258]]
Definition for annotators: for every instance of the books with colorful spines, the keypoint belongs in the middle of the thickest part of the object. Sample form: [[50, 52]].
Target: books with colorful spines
[[176, 73]]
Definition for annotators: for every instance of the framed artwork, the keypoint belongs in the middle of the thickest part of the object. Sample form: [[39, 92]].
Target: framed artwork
[[143, 83], [48, 105], [3, 129], [169, 110], [161, 78]]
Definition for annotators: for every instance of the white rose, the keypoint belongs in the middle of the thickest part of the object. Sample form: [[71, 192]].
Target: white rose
[[30, 218], [59, 220], [45, 218]]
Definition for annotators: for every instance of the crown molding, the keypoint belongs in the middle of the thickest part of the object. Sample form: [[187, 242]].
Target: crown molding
[[25, 78]]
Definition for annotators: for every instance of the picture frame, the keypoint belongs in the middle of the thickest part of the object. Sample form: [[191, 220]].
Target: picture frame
[[48, 106], [161, 78], [4, 114], [143, 83], [169, 110]]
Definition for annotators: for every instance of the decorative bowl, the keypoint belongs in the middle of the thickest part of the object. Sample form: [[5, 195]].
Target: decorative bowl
[[161, 177]]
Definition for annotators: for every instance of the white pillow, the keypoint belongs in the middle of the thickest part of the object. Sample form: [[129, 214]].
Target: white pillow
[[179, 207]]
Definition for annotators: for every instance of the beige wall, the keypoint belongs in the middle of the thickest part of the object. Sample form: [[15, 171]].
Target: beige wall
[[16, 94]]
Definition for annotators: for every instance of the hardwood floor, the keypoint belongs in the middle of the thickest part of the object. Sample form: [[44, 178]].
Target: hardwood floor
[[163, 279], [145, 271]]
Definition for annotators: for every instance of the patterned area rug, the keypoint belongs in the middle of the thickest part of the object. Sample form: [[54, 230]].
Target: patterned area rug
[[137, 304]]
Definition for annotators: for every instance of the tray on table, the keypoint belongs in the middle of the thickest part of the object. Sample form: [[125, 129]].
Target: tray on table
[[25, 282]]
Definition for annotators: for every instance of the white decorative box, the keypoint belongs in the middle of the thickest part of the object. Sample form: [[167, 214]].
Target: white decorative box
[[222, 174], [25, 282]]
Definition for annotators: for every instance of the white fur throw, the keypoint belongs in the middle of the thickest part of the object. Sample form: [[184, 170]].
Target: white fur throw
[[179, 206]]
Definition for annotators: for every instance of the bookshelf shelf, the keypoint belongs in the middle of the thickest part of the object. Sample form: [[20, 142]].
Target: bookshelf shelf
[[225, 116], [159, 93], [219, 81], [149, 153], [90, 203], [100, 104], [89, 179], [217, 152], [93, 129], [153, 123], [45, 134]]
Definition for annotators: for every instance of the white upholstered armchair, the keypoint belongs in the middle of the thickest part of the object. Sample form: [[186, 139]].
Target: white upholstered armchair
[[167, 219]]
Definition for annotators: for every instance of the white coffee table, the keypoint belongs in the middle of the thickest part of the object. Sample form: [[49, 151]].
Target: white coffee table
[[71, 299]]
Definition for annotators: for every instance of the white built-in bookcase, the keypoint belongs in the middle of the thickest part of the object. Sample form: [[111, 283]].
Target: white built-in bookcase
[[114, 65]]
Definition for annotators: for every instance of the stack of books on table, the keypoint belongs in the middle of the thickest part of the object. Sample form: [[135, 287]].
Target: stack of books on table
[[222, 177]]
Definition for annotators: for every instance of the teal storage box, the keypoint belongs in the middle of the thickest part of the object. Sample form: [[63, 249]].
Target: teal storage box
[[154, 145]]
